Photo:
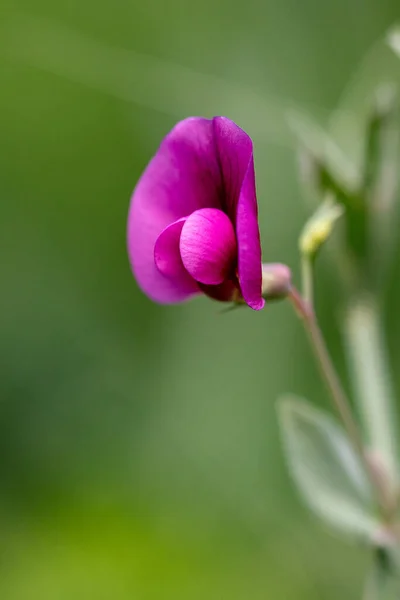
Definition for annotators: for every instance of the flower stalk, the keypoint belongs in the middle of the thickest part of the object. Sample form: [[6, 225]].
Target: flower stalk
[[305, 310]]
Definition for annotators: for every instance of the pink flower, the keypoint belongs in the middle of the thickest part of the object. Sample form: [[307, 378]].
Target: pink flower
[[192, 225]]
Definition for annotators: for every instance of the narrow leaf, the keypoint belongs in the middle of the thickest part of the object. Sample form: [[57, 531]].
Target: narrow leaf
[[333, 171], [327, 472], [327, 171]]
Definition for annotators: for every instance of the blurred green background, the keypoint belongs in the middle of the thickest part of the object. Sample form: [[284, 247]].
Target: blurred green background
[[139, 448]]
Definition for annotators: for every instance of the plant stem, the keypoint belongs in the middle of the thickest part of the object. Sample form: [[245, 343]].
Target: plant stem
[[321, 352], [307, 279], [340, 400]]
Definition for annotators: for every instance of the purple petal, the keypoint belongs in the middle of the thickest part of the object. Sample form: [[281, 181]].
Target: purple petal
[[182, 177], [235, 151], [167, 258], [208, 246]]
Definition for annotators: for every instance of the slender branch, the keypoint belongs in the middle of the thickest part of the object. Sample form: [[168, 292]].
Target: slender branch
[[321, 352], [307, 279], [340, 400]]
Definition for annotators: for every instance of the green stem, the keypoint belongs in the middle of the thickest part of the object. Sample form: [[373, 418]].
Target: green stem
[[340, 400], [307, 279], [368, 360]]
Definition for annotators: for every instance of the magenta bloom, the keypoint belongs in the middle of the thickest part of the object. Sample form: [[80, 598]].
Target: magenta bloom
[[192, 225]]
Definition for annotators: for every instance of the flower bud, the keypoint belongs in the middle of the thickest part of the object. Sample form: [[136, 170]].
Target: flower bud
[[276, 281], [318, 229]]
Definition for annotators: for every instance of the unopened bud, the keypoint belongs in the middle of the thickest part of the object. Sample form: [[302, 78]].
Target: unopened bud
[[318, 229], [276, 281]]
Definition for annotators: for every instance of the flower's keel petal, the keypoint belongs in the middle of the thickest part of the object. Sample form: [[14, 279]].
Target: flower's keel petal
[[164, 278], [208, 246]]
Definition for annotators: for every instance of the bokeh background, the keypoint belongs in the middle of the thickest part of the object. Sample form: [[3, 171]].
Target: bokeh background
[[139, 448]]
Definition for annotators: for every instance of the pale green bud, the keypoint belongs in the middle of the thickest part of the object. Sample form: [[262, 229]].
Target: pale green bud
[[319, 227]]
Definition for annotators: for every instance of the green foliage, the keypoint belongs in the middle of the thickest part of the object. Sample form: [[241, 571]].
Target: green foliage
[[328, 474]]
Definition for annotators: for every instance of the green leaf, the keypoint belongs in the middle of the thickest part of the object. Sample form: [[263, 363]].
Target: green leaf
[[326, 470], [328, 168], [380, 119], [381, 180], [347, 124], [328, 171]]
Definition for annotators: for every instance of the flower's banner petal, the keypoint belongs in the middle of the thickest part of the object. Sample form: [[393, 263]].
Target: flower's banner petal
[[235, 155], [208, 246], [182, 177], [168, 259]]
